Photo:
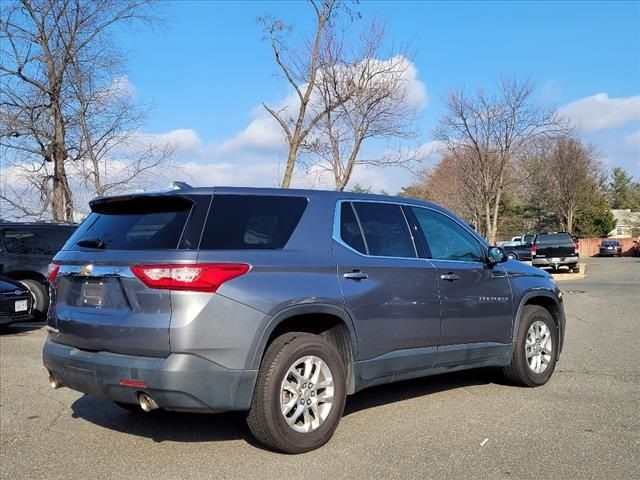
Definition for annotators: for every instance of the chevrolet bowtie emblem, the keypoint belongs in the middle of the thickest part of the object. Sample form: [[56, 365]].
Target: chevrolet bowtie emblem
[[86, 270]]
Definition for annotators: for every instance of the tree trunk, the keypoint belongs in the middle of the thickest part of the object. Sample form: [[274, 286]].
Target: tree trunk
[[61, 203], [487, 220], [570, 220], [291, 162]]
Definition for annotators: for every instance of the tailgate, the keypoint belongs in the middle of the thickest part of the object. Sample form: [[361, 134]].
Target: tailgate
[[105, 308], [556, 251], [97, 303]]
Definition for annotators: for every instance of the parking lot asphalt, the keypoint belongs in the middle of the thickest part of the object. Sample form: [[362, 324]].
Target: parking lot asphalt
[[585, 423]]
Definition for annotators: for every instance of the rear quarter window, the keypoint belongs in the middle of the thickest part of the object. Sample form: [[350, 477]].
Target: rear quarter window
[[241, 222]]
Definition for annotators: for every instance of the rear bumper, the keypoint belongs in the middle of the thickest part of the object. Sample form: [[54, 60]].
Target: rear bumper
[[178, 382], [549, 262], [610, 253]]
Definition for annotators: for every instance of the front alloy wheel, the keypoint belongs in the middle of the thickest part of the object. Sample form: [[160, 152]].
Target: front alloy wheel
[[535, 350], [539, 348]]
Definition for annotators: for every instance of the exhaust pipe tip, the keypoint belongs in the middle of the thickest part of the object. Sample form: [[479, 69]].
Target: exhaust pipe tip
[[54, 382], [147, 403]]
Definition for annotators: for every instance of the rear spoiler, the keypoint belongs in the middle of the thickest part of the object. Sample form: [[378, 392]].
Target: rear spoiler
[[141, 203]]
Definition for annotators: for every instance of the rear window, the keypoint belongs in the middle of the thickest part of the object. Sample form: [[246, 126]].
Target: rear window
[[240, 222], [138, 223], [35, 241], [554, 239]]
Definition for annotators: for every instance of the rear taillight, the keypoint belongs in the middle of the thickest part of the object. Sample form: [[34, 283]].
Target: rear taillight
[[576, 247], [199, 277], [533, 250], [52, 271]]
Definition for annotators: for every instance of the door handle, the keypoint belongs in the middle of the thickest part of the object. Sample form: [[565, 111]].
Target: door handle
[[356, 275], [450, 277]]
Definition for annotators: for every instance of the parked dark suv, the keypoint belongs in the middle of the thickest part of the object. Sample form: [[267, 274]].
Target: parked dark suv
[[26, 249], [282, 302], [555, 250]]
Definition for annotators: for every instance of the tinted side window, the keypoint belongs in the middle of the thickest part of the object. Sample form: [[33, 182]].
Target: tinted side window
[[37, 241], [385, 229], [251, 221], [446, 239], [350, 232]]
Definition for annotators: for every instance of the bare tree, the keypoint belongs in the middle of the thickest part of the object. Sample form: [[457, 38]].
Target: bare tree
[[446, 184], [490, 129], [563, 176], [110, 154], [44, 44], [364, 98], [301, 67]]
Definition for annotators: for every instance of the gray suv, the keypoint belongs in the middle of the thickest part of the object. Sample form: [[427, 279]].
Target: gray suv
[[283, 302]]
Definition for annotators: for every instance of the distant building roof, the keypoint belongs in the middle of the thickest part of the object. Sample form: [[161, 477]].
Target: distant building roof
[[625, 217]]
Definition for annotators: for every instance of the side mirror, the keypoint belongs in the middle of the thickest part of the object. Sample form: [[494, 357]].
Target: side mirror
[[497, 255]]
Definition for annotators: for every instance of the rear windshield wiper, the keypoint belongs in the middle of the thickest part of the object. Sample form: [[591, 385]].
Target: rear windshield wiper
[[92, 243]]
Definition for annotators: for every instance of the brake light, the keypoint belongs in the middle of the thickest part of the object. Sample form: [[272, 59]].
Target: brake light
[[197, 277], [576, 247], [52, 271], [533, 250]]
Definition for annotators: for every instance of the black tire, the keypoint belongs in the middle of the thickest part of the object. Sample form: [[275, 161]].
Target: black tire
[[576, 269], [518, 371], [512, 256], [40, 296], [265, 419]]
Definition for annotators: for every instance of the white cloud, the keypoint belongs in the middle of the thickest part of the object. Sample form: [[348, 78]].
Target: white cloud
[[416, 89], [262, 133], [122, 85], [633, 139], [184, 140], [599, 112]]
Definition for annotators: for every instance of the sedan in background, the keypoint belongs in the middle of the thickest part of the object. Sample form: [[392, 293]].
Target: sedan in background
[[610, 248], [15, 302]]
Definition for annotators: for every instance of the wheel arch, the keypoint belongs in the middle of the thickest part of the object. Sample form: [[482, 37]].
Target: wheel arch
[[329, 321], [550, 302], [25, 275]]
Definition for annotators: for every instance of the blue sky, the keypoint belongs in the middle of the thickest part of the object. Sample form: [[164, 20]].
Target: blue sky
[[206, 71]]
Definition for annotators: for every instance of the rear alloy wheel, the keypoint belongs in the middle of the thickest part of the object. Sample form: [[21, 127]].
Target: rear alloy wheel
[[536, 348], [512, 256], [300, 394]]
